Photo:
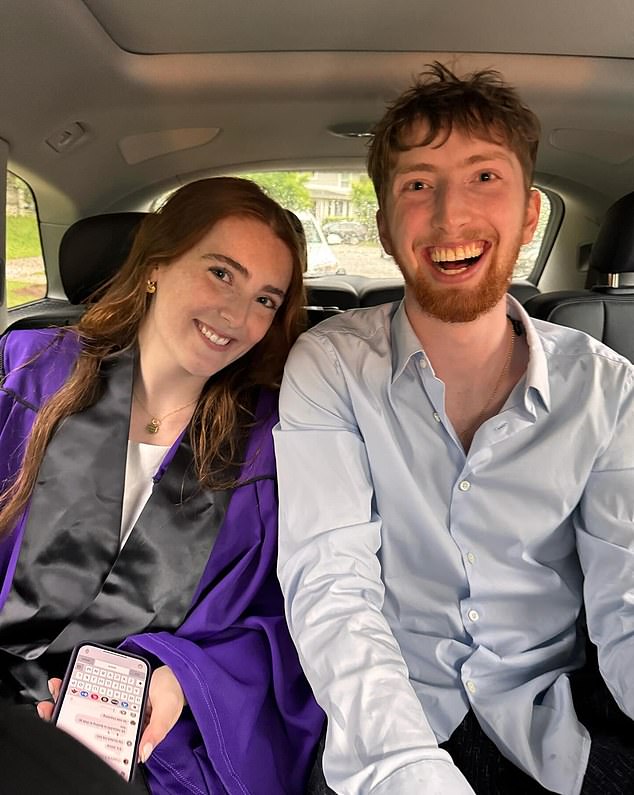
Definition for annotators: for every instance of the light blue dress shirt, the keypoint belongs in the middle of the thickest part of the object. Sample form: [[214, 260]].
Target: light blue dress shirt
[[418, 575]]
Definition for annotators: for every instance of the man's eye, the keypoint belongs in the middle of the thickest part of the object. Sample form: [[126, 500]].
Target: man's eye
[[486, 176], [416, 184]]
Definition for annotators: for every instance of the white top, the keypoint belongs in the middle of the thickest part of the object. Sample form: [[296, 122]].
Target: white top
[[142, 461], [422, 582]]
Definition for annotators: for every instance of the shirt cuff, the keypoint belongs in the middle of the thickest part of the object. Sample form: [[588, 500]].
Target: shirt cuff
[[433, 778]]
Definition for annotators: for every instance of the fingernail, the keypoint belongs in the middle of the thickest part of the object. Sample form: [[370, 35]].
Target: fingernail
[[146, 751], [39, 711], [50, 687]]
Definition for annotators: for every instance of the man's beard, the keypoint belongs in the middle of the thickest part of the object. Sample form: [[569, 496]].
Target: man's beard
[[460, 305]]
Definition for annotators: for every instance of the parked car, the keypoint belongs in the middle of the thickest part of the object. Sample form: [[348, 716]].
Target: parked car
[[321, 258], [351, 232]]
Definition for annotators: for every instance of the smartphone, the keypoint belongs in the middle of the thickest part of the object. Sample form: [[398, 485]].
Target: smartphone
[[102, 703]]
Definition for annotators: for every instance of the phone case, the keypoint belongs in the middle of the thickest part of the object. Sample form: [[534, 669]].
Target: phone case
[[92, 693]]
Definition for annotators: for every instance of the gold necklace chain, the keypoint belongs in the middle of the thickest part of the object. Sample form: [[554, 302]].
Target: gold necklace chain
[[154, 425], [507, 361]]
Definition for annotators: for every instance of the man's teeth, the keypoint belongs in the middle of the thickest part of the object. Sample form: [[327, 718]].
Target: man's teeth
[[212, 337], [453, 271], [456, 253]]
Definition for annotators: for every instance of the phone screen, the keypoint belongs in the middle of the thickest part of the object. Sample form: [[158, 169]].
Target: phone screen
[[102, 704]]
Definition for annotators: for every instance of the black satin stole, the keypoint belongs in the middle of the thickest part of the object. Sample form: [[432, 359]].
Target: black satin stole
[[72, 582]]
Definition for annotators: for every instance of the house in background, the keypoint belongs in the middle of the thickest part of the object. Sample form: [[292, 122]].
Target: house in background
[[331, 193]]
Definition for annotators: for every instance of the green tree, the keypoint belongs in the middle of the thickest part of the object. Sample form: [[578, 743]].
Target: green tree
[[286, 187], [365, 206]]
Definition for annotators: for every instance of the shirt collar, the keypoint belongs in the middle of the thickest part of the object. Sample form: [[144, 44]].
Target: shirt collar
[[405, 345], [537, 370]]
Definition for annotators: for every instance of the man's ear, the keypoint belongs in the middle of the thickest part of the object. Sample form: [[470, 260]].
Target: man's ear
[[531, 216], [384, 235]]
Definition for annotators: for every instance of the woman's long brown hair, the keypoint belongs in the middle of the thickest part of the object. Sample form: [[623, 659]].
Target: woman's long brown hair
[[112, 323]]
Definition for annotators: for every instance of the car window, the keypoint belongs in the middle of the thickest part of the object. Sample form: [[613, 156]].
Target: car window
[[25, 274], [338, 211], [529, 255]]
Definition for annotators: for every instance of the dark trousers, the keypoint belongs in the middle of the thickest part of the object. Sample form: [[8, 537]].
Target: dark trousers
[[35, 757], [610, 768]]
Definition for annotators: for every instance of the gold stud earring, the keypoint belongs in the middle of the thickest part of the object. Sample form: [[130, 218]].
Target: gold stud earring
[[150, 286]]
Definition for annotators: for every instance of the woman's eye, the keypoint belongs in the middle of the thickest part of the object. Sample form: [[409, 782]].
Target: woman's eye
[[221, 273], [268, 302]]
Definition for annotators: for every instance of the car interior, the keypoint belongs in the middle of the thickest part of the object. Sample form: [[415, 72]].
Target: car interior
[[107, 107]]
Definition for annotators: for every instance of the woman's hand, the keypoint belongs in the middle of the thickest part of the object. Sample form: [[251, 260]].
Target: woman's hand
[[45, 708], [165, 704]]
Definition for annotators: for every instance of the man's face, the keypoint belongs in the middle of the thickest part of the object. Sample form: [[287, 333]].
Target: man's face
[[454, 218]]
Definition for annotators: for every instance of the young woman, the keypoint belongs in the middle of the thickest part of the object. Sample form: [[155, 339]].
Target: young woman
[[139, 503]]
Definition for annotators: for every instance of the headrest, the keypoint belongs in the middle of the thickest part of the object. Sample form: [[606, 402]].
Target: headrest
[[92, 250], [613, 250]]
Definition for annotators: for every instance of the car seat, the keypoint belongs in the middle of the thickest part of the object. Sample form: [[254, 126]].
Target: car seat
[[606, 311]]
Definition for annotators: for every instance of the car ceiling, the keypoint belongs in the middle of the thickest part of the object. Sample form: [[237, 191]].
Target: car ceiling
[[165, 91]]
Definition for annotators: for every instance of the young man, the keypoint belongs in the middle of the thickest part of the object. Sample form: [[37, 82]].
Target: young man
[[455, 482]]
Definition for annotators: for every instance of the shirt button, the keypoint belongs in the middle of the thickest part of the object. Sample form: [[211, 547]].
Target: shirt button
[[423, 363], [436, 416], [464, 485], [473, 615], [470, 557], [471, 686]]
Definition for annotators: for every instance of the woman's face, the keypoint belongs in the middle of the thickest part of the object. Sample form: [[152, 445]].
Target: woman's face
[[218, 300]]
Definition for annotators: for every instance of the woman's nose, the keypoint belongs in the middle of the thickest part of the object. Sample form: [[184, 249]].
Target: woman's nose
[[235, 313]]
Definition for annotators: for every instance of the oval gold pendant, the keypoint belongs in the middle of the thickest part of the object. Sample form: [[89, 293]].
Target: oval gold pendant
[[153, 425]]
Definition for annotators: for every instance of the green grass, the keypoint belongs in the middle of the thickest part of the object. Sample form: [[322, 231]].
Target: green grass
[[23, 237]]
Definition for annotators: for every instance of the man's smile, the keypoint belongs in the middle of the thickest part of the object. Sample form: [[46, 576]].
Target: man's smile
[[456, 259]]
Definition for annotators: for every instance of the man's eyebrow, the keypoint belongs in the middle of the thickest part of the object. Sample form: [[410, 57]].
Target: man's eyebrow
[[267, 288], [411, 167], [482, 157]]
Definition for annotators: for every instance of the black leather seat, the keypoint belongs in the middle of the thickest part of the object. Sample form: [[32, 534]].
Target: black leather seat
[[91, 251], [607, 310], [523, 290], [94, 248], [338, 296], [381, 291]]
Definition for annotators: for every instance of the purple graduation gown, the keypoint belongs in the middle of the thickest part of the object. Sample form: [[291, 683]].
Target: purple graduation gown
[[251, 724]]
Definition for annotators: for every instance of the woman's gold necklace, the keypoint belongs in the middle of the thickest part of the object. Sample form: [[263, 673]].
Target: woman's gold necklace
[[154, 425]]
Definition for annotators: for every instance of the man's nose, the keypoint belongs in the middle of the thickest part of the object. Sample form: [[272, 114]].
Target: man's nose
[[451, 208]]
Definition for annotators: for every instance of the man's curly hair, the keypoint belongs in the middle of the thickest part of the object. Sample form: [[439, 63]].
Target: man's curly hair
[[480, 104]]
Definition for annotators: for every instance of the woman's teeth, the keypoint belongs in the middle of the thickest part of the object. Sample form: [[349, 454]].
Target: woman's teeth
[[212, 336]]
